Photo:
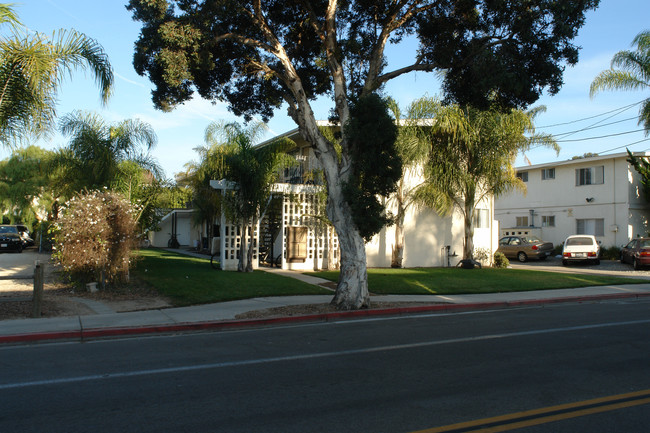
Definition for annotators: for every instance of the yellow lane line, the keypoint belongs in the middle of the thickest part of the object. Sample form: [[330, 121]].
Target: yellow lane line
[[545, 415]]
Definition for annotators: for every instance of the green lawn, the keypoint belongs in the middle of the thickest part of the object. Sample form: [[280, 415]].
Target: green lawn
[[445, 281], [188, 280]]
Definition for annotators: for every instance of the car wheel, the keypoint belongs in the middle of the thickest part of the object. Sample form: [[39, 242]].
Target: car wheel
[[521, 256], [20, 249], [635, 264], [565, 263], [622, 260]]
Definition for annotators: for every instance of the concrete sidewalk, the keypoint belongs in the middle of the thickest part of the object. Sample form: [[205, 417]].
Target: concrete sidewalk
[[223, 315]]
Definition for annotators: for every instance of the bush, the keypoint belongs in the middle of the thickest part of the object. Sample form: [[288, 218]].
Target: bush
[[482, 255], [610, 253], [95, 237], [557, 250], [500, 261]]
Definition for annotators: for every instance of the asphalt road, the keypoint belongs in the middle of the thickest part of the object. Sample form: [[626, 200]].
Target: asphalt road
[[381, 375]]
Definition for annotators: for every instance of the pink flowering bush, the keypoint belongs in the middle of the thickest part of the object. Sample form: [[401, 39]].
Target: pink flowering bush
[[95, 236]]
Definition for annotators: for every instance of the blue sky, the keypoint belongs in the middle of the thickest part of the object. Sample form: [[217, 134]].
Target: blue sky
[[609, 29]]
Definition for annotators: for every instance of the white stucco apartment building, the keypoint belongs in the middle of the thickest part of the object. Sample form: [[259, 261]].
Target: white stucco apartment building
[[598, 195], [302, 242]]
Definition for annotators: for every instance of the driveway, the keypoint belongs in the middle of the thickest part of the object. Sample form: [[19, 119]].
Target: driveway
[[14, 266], [606, 267]]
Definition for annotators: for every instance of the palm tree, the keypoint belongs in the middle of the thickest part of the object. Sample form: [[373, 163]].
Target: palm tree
[[32, 67], [630, 70], [97, 149], [413, 149], [206, 201], [253, 170], [471, 158]]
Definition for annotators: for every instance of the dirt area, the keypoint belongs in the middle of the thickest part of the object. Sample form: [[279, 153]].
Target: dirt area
[[59, 299], [309, 309]]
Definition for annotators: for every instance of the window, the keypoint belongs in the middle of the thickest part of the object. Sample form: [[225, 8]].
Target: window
[[482, 219], [548, 220], [548, 173], [522, 221], [523, 175], [590, 176], [593, 226], [296, 244]]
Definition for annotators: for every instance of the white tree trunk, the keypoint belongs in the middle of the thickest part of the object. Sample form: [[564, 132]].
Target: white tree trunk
[[352, 290]]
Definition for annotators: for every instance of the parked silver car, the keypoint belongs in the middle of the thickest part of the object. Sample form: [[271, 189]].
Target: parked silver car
[[524, 247]]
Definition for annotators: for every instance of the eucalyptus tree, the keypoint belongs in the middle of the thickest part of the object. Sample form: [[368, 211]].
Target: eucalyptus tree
[[32, 68], [257, 56], [630, 70], [471, 157]]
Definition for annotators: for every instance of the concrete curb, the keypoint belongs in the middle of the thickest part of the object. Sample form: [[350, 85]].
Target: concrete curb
[[93, 333]]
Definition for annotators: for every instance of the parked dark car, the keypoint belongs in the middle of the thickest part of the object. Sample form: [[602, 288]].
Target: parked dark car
[[25, 236], [523, 248], [637, 253], [10, 239]]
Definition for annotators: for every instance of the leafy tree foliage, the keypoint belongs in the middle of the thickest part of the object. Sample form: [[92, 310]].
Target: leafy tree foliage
[[376, 165], [32, 67], [630, 71], [252, 170], [24, 178], [471, 158], [257, 56], [642, 166], [96, 149]]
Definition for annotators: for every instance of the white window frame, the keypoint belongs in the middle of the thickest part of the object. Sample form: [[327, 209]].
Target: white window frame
[[523, 175], [481, 218], [523, 220]]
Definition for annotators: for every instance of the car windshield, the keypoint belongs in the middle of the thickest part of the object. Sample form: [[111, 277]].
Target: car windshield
[[532, 240], [8, 229], [579, 241]]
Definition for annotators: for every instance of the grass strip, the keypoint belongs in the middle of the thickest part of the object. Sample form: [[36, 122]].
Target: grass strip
[[446, 281], [187, 280]]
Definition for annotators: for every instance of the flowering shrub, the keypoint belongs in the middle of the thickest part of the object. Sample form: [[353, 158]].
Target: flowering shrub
[[95, 236]]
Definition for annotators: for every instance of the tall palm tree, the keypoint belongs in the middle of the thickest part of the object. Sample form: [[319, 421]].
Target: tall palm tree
[[413, 149], [630, 70], [253, 170], [96, 149], [32, 67], [471, 158]]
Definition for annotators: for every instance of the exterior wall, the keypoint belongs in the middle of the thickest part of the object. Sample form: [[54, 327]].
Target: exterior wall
[[427, 236], [617, 201], [186, 233]]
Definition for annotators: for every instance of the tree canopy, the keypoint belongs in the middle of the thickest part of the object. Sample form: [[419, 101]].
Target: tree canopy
[[630, 71], [32, 67], [471, 157]]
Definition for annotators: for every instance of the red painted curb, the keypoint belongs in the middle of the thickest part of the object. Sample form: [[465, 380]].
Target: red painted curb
[[324, 317]]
